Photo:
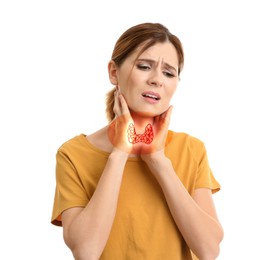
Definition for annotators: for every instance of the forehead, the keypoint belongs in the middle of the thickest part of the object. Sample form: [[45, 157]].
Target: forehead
[[159, 52]]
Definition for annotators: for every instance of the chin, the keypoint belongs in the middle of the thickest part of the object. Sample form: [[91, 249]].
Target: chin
[[145, 113]]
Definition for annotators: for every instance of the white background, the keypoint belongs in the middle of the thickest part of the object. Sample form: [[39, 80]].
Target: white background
[[53, 79]]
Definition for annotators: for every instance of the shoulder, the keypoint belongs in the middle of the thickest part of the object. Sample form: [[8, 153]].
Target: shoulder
[[185, 139], [184, 145], [76, 142]]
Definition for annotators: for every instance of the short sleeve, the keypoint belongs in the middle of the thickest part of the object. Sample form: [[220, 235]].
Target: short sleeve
[[69, 191], [205, 177]]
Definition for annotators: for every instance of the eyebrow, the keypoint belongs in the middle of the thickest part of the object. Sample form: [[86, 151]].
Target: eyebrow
[[152, 61]]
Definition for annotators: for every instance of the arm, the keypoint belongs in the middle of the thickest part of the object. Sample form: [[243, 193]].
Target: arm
[[86, 230], [195, 217]]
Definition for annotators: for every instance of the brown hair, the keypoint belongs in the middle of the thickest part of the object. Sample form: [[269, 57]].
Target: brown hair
[[150, 33]]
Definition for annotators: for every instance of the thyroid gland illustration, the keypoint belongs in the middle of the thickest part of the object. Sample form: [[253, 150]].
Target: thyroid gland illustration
[[146, 137]]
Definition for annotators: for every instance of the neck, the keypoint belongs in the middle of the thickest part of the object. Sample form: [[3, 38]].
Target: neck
[[141, 121]]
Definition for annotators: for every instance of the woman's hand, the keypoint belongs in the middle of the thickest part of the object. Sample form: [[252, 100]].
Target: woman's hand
[[160, 131], [117, 130], [120, 129]]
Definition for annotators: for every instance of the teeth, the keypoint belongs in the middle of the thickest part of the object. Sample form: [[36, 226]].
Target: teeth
[[151, 96]]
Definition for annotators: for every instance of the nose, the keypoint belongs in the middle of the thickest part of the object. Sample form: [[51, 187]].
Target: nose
[[156, 79]]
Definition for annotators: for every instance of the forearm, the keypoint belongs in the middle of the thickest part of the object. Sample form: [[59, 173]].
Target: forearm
[[89, 231], [201, 231]]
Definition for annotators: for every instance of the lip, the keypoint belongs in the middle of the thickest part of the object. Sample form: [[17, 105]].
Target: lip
[[147, 95]]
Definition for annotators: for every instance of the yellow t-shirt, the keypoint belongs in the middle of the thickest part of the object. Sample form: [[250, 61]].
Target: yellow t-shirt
[[143, 227]]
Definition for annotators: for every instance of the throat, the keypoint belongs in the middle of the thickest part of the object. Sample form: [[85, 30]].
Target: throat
[[141, 121]]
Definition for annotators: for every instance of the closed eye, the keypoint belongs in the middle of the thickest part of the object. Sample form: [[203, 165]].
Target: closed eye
[[143, 66], [168, 74]]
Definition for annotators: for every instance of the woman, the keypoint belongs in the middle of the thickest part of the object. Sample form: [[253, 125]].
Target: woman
[[134, 189]]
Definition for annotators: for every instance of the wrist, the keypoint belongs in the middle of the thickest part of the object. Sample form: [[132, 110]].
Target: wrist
[[118, 154], [156, 161]]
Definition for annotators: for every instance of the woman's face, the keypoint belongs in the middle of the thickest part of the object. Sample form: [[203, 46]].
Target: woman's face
[[149, 81]]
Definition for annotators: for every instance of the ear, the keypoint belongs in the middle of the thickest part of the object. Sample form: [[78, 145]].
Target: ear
[[112, 71]]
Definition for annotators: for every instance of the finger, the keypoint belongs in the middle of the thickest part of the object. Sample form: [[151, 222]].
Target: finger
[[168, 113], [165, 117], [116, 107], [123, 104], [156, 120]]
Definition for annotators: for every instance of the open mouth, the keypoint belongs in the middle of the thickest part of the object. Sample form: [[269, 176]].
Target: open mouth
[[153, 96]]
